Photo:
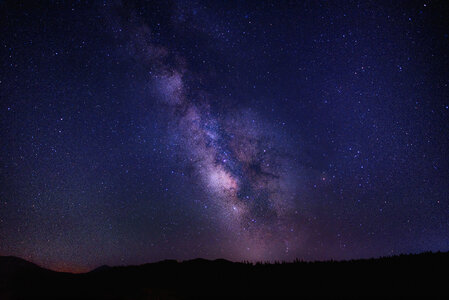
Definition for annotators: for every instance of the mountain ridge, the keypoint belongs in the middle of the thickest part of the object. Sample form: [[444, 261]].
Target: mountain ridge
[[399, 276], [25, 262]]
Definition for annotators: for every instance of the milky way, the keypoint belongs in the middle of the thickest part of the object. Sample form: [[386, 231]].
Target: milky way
[[240, 161]]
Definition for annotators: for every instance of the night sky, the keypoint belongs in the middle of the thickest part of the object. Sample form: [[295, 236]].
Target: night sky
[[133, 132]]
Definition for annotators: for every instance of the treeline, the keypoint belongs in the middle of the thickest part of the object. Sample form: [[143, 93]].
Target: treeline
[[420, 275]]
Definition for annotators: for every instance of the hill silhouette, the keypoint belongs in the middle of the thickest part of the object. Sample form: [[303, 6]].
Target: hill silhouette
[[422, 275]]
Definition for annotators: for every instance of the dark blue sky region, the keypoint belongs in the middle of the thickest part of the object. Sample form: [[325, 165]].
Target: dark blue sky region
[[138, 131]]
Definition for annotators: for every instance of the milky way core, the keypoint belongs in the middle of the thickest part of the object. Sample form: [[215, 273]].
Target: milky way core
[[239, 161]]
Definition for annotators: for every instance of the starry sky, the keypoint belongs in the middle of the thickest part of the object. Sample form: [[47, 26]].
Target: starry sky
[[138, 131]]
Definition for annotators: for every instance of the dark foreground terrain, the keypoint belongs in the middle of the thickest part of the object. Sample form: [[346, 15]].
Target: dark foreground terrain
[[423, 275]]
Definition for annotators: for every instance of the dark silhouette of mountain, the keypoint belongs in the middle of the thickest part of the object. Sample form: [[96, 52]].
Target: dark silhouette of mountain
[[11, 265], [420, 275], [101, 269]]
